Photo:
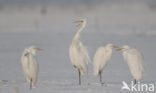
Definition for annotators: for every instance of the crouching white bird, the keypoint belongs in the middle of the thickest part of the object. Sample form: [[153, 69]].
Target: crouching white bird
[[30, 65], [78, 53], [134, 60], [102, 55]]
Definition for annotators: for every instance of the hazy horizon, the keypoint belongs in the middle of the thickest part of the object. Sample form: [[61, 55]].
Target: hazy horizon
[[73, 1]]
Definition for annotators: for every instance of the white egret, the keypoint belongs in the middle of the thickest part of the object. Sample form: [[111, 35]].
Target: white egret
[[134, 60], [102, 55], [78, 53], [30, 65]]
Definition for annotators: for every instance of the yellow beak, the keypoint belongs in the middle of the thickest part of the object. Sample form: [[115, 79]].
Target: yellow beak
[[119, 49], [78, 23], [38, 49], [115, 47]]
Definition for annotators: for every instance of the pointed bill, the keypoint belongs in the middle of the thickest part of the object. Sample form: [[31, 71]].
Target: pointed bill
[[78, 23], [115, 46], [38, 49], [119, 49]]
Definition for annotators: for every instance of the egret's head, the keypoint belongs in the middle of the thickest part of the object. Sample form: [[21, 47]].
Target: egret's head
[[33, 49], [111, 46], [125, 47], [80, 22]]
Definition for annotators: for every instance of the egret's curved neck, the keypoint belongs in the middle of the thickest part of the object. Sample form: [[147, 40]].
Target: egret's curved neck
[[76, 37]]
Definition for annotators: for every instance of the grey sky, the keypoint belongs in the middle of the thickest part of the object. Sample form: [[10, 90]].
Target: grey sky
[[70, 1]]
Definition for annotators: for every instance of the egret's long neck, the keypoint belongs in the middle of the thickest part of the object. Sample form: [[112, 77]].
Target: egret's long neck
[[76, 37], [33, 52], [109, 52]]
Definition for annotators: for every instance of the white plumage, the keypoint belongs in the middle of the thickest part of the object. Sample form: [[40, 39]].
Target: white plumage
[[30, 65], [78, 53], [134, 60], [102, 55]]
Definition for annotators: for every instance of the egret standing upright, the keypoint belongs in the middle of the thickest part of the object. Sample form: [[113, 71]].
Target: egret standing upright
[[30, 65], [102, 55], [78, 53], [134, 60]]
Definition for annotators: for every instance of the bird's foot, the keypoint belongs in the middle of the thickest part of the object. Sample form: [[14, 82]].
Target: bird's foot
[[103, 84], [88, 84]]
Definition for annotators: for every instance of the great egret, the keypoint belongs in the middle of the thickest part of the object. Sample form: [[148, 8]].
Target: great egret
[[30, 65], [134, 60], [78, 53], [102, 55]]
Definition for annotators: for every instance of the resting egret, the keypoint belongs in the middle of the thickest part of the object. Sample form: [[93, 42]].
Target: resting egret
[[134, 60], [30, 65], [78, 53], [102, 55]]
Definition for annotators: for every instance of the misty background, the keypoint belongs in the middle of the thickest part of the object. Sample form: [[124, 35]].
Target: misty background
[[48, 24], [108, 16]]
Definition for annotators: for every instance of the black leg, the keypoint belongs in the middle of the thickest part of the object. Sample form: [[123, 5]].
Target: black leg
[[100, 77], [135, 81], [100, 73], [79, 77], [30, 84]]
